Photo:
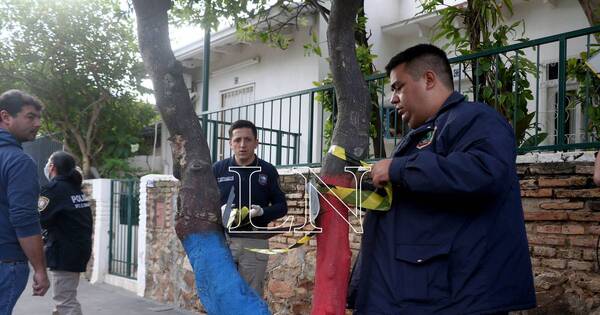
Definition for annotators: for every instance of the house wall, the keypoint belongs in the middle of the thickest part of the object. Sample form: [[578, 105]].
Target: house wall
[[562, 222], [278, 72]]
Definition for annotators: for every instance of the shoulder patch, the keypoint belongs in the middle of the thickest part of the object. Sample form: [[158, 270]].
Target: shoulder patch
[[43, 203], [427, 139]]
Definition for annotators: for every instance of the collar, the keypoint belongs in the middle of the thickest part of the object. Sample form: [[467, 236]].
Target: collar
[[59, 178], [450, 102], [254, 163]]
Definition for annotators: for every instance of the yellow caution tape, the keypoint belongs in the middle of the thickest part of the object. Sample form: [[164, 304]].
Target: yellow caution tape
[[370, 199]]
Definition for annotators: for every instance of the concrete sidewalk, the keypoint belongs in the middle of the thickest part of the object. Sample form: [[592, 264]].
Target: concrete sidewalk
[[98, 299]]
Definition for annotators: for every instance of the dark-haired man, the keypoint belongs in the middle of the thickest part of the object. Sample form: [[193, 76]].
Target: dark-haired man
[[256, 186], [454, 239], [20, 231]]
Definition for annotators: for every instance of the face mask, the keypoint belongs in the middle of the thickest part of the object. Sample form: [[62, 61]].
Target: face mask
[[47, 171]]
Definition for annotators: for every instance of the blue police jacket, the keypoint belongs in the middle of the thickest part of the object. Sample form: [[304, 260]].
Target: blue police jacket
[[255, 184], [454, 240]]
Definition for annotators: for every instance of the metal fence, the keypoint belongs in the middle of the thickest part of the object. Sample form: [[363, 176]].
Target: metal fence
[[123, 232], [542, 86]]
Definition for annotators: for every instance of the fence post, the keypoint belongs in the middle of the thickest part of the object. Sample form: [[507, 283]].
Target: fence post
[[101, 196], [310, 126], [278, 148]]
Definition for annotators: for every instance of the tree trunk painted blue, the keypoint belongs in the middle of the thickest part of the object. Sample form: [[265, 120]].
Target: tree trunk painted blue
[[220, 287]]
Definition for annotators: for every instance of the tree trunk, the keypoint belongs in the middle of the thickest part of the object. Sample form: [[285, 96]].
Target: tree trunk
[[591, 8], [198, 220], [352, 133]]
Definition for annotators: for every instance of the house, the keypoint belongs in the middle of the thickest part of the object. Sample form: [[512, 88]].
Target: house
[[257, 82], [274, 88]]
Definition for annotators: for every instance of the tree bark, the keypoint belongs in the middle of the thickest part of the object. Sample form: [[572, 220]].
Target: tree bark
[[198, 220], [199, 205], [352, 133], [591, 8]]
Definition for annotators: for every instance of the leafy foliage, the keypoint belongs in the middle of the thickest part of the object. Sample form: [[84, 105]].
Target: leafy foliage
[[501, 80], [587, 94], [80, 57]]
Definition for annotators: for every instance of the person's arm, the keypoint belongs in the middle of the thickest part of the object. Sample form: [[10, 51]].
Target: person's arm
[[481, 153], [34, 250], [47, 208], [597, 170], [23, 192]]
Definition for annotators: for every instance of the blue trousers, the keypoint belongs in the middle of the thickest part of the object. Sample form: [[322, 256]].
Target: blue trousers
[[13, 279]]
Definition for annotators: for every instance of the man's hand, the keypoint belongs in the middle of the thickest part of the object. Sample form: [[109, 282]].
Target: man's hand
[[40, 282], [380, 172], [256, 211]]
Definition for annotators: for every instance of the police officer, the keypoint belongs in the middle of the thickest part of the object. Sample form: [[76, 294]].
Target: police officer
[[67, 219], [453, 241], [256, 186]]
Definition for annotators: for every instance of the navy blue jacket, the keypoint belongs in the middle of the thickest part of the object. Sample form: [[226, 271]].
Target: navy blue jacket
[[264, 185], [67, 219], [454, 240], [19, 190]]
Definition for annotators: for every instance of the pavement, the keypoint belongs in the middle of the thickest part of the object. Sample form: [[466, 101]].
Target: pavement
[[97, 299]]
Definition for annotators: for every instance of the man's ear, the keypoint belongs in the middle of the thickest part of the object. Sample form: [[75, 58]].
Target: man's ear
[[4, 115], [431, 79]]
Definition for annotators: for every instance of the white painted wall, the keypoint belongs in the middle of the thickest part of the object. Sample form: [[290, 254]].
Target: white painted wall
[[280, 72], [101, 195]]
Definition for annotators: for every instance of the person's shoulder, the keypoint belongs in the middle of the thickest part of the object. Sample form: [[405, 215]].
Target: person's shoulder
[[49, 188], [267, 166], [477, 112], [220, 166]]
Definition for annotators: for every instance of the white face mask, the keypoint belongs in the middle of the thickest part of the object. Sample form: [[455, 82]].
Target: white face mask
[[47, 170]]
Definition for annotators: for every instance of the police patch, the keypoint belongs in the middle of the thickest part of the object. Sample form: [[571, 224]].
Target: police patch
[[43, 203], [427, 139], [262, 179], [225, 179]]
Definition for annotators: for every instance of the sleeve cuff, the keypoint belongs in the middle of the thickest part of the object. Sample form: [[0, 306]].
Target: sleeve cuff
[[396, 171], [28, 230]]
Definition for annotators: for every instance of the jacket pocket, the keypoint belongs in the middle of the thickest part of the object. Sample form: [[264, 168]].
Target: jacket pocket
[[422, 272]]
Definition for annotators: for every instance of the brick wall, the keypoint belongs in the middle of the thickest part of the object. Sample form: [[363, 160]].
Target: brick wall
[[561, 207], [169, 275], [562, 213]]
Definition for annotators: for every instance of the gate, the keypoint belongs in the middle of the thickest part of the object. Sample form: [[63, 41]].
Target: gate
[[123, 233]]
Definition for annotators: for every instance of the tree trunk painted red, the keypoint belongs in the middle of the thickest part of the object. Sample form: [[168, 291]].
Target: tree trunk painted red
[[333, 254]]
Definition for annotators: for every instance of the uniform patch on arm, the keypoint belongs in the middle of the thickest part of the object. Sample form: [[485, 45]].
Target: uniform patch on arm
[[43, 203]]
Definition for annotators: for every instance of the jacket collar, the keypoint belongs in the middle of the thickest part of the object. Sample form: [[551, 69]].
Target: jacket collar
[[254, 163], [450, 102], [6, 138]]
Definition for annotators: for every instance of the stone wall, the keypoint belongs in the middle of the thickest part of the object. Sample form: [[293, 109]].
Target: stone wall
[[169, 275], [562, 213], [561, 207]]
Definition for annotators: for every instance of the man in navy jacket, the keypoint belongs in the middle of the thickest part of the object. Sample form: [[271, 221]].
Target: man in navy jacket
[[454, 239], [20, 231], [255, 183]]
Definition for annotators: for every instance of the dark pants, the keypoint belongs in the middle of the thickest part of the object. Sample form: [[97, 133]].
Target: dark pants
[[13, 279]]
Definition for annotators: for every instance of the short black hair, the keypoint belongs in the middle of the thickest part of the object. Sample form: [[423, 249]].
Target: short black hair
[[243, 124], [13, 101], [424, 57]]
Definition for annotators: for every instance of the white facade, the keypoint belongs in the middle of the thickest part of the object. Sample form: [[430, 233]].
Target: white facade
[[247, 72]]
